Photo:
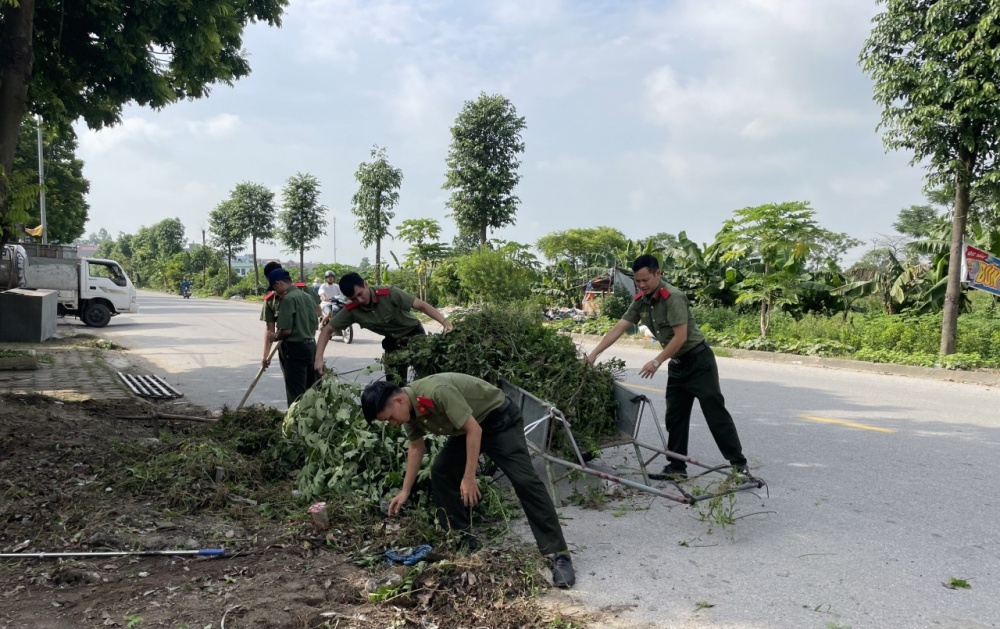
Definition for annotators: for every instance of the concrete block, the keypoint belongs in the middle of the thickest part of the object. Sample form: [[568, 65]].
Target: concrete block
[[28, 316]]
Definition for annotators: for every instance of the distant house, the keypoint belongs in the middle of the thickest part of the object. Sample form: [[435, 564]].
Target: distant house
[[243, 265]]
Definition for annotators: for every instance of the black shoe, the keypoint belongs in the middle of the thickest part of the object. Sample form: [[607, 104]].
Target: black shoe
[[744, 472], [563, 575], [671, 473], [468, 543]]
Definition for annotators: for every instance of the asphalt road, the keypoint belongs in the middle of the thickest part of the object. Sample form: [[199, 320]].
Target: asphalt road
[[881, 489]]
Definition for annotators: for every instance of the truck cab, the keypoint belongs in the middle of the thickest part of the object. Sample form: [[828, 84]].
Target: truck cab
[[105, 290], [90, 288]]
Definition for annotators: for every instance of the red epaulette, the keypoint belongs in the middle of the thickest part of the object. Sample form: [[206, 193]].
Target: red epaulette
[[664, 293], [638, 296], [382, 292], [300, 284], [268, 296], [424, 405], [351, 305]]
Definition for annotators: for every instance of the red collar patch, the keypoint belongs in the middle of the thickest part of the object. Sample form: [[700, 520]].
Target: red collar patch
[[268, 296], [382, 292], [638, 296], [424, 405], [351, 305], [664, 293]]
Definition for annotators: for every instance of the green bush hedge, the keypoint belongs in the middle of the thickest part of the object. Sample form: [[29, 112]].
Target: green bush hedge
[[898, 339]]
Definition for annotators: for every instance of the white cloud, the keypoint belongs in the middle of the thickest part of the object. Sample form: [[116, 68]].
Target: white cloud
[[333, 30], [216, 127], [131, 132], [526, 12]]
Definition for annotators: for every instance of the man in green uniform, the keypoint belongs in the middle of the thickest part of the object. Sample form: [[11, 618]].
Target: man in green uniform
[[692, 373], [479, 418], [269, 312], [385, 310], [295, 328]]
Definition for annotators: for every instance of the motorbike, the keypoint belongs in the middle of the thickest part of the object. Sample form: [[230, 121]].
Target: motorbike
[[186, 292], [336, 305]]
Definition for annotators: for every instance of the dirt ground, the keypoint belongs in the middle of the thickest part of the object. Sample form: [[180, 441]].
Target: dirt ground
[[71, 480]]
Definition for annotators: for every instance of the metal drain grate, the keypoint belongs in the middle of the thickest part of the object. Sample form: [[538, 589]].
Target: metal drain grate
[[150, 386]]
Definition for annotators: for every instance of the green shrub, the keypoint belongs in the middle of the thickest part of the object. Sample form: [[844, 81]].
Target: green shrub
[[614, 306], [492, 277]]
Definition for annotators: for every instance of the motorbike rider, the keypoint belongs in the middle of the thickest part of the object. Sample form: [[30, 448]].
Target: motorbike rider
[[331, 297], [185, 286]]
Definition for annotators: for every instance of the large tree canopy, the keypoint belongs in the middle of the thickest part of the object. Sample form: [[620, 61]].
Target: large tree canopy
[[71, 60], [936, 76]]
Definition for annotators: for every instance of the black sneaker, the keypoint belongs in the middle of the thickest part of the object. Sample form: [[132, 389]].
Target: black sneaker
[[468, 543], [671, 473], [563, 575]]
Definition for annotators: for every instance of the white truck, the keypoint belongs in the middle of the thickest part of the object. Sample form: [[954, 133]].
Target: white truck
[[89, 288]]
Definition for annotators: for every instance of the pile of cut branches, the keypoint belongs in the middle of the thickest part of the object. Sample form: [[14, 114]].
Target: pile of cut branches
[[510, 343]]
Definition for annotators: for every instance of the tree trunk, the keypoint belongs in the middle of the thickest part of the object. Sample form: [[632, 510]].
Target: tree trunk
[[16, 62], [378, 262], [256, 273], [765, 317], [482, 234], [229, 268], [302, 264], [953, 294]]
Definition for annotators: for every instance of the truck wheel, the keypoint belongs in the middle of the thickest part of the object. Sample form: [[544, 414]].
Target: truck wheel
[[96, 315], [348, 334]]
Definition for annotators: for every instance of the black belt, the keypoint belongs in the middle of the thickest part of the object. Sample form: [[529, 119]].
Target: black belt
[[688, 355]]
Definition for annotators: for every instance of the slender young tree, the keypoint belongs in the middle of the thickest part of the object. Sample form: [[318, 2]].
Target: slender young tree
[[934, 64], [228, 234], [373, 203], [255, 210], [482, 165], [302, 221], [778, 238]]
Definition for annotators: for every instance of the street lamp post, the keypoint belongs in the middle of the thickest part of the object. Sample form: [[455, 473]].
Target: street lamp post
[[41, 183]]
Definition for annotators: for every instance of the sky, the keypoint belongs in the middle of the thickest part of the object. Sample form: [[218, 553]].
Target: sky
[[647, 116]]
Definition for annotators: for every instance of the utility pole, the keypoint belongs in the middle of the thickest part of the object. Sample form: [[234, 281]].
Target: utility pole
[[204, 259], [335, 240], [41, 183]]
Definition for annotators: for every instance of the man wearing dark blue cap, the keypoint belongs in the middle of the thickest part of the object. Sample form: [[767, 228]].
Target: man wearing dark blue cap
[[295, 327]]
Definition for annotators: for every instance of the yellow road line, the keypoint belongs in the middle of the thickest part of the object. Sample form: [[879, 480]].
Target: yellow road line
[[841, 422], [639, 386]]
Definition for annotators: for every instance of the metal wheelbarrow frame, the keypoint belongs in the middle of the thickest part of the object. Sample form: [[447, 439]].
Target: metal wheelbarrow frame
[[542, 419]]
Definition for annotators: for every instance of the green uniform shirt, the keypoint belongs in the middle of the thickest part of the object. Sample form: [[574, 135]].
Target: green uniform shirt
[[660, 313], [454, 398], [298, 314], [269, 313], [272, 304], [387, 314]]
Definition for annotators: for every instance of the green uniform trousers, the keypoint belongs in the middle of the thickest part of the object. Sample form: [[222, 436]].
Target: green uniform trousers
[[697, 378], [503, 441], [297, 360]]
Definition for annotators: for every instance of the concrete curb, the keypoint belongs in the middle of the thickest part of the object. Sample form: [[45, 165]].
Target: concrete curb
[[983, 377]]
